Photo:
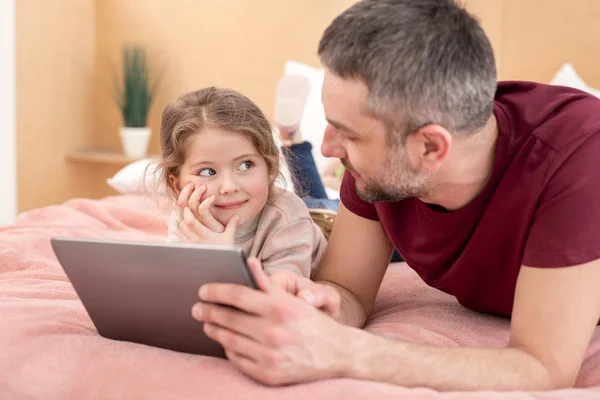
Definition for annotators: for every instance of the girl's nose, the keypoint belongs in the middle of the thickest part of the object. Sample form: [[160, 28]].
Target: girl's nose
[[229, 186]]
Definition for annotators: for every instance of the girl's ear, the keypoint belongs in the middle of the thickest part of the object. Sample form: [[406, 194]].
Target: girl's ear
[[174, 183]]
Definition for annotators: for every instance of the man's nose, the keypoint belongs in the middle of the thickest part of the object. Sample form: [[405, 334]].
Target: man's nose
[[332, 146]]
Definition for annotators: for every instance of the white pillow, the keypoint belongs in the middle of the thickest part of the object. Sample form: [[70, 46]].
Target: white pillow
[[567, 76], [139, 177]]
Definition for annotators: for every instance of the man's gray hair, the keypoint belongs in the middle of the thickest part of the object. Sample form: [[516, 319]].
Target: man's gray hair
[[424, 61]]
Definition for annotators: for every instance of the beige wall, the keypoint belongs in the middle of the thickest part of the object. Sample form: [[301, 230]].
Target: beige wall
[[235, 43], [491, 15], [55, 70], [65, 49], [540, 35], [532, 39]]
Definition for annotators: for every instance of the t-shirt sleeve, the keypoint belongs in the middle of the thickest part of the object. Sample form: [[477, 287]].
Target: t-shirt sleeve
[[566, 225], [352, 202]]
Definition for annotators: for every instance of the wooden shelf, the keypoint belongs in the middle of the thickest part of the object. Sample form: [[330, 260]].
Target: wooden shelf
[[103, 157]]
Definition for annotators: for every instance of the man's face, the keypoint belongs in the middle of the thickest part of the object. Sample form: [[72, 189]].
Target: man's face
[[381, 167]]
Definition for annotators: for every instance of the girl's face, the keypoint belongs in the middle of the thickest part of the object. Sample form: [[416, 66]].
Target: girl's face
[[232, 170]]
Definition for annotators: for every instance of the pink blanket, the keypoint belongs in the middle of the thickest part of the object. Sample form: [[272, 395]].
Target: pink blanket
[[49, 348]]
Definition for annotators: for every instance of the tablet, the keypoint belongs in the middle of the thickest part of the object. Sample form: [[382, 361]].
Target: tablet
[[143, 292]]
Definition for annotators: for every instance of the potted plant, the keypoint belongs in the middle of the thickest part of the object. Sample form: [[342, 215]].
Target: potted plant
[[134, 97]]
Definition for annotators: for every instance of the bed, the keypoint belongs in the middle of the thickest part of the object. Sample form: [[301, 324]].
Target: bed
[[51, 350]]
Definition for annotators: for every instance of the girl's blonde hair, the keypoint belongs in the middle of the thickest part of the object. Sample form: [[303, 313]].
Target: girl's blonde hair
[[224, 109], [218, 108]]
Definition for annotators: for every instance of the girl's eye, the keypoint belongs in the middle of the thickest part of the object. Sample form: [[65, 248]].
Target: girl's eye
[[207, 172], [246, 165]]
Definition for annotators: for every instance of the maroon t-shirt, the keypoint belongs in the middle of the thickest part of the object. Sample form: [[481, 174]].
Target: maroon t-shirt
[[540, 208]]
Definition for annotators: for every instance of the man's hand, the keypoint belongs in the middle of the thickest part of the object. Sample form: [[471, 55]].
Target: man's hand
[[321, 296], [274, 337], [199, 225]]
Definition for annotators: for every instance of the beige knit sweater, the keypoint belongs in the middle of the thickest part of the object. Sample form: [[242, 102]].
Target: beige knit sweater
[[282, 236]]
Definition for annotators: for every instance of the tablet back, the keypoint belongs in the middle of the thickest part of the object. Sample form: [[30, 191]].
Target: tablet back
[[144, 292]]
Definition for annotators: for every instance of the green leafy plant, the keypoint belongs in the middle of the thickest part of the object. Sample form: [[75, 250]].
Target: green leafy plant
[[134, 94]]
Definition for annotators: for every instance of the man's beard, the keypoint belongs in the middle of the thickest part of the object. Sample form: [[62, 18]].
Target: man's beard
[[399, 181]]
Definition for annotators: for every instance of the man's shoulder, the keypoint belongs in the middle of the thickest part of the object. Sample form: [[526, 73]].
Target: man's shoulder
[[558, 116], [547, 127]]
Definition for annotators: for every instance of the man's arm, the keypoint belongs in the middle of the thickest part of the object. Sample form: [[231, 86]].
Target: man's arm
[[355, 262], [554, 316], [277, 338]]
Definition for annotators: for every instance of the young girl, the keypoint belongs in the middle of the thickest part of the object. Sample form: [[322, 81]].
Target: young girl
[[220, 163]]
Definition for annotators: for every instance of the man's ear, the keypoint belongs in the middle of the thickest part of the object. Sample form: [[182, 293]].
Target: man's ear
[[429, 147]]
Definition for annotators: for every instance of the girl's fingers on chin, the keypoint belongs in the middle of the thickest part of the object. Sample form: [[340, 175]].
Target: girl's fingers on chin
[[207, 203]]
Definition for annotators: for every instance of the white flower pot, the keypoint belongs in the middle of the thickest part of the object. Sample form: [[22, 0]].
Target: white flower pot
[[135, 141]]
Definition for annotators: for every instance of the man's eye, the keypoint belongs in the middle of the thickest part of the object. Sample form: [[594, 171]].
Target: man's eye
[[246, 165], [207, 172]]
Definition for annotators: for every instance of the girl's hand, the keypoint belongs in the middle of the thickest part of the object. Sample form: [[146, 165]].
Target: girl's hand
[[199, 225], [190, 197], [194, 230]]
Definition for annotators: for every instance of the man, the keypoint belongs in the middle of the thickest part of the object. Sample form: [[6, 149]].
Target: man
[[491, 193]]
